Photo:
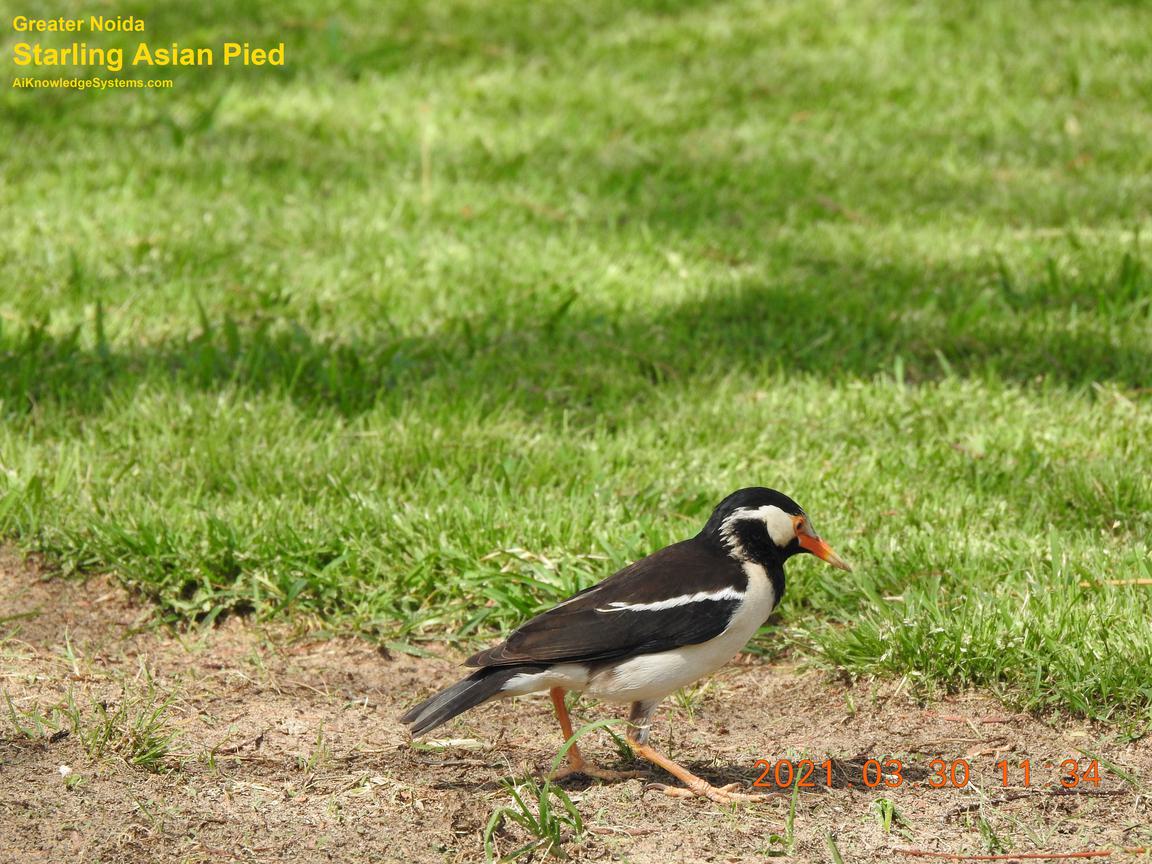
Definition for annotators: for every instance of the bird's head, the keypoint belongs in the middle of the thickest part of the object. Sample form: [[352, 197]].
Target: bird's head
[[766, 526]]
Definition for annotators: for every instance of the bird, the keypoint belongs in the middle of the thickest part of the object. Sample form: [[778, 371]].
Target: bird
[[659, 624]]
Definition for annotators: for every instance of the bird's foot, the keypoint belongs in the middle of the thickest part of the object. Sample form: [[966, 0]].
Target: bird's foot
[[719, 794], [587, 770]]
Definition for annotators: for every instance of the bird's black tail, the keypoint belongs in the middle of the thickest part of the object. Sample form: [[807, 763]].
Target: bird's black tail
[[480, 686]]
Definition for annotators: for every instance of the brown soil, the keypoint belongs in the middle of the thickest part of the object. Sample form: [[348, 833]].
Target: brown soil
[[287, 748]]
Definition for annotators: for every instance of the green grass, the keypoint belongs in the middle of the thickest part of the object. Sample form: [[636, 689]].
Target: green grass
[[472, 303], [549, 824], [134, 728]]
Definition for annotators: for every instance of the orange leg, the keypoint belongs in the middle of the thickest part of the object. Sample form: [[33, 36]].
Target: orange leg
[[576, 763], [693, 786]]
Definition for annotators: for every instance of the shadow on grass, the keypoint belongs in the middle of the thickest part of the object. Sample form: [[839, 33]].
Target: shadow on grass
[[836, 320], [683, 176]]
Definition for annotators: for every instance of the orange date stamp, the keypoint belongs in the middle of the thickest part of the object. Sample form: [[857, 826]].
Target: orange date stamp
[[891, 773]]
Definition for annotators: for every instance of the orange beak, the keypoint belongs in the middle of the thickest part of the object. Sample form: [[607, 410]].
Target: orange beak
[[820, 549]]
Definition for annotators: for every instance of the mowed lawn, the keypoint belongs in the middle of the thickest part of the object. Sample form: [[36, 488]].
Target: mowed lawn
[[475, 302]]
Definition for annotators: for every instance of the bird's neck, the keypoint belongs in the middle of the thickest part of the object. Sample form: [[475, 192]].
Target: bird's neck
[[775, 572], [749, 543]]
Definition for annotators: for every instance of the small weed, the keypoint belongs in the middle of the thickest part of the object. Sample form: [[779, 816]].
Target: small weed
[[833, 849], [319, 755], [549, 826], [889, 818], [1040, 832], [31, 723], [623, 751], [689, 699], [134, 728], [70, 655], [1116, 771], [992, 841], [790, 821], [787, 840]]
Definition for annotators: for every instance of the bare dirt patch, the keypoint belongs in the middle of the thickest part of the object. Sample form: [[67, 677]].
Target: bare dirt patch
[[287, 747]]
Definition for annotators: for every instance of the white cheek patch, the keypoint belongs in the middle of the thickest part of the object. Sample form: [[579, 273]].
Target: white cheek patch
[[781, 528]]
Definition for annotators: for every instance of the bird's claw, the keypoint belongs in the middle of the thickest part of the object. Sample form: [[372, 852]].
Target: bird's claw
[[718, 794]]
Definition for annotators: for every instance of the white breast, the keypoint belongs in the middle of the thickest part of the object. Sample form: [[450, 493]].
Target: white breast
[[654, 676]]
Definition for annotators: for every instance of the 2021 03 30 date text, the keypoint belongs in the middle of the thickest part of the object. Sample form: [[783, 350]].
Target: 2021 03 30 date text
[[890, 773]]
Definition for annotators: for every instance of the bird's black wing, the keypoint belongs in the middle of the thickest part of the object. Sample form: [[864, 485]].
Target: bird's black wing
[[597, 623]]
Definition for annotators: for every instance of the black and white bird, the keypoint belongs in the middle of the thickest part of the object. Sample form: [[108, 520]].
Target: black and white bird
[[656, 626]]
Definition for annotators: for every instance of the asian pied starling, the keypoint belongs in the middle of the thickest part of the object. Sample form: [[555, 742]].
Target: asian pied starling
[[656, 626]]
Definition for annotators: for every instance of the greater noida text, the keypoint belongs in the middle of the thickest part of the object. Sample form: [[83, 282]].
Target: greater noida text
[[94, 23]]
